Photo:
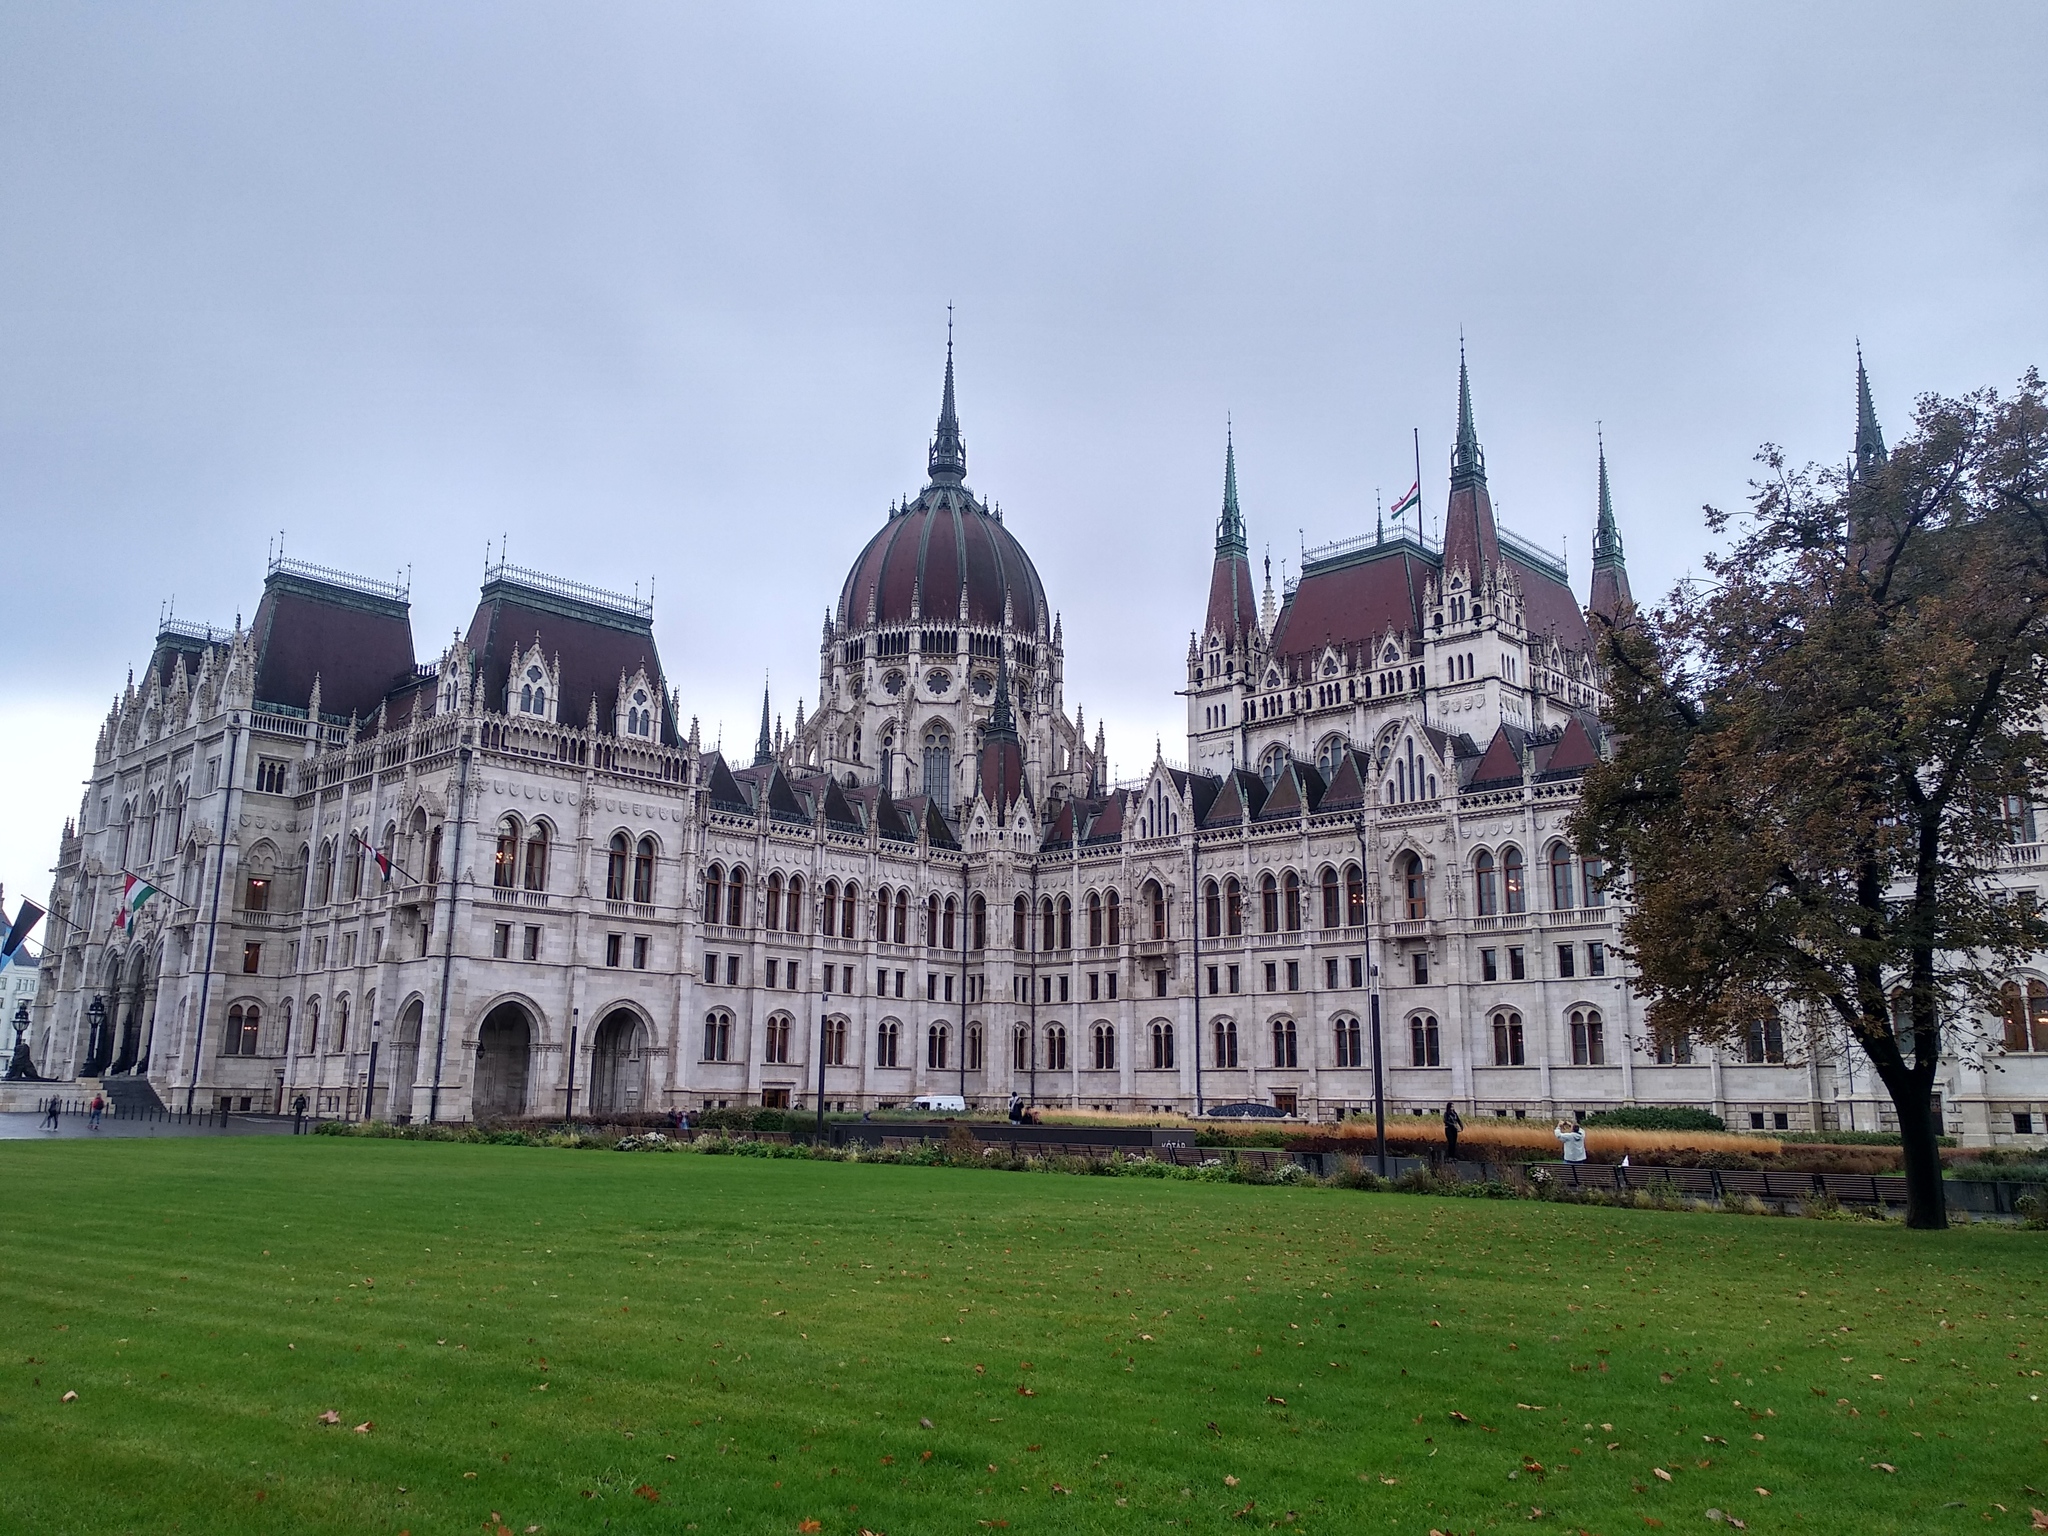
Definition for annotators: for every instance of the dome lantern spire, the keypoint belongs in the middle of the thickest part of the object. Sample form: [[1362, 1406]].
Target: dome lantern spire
[[948, 456]]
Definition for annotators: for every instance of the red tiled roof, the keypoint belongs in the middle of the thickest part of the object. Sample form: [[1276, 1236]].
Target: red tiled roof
[[1500, 765], [1233, 611], [594, 647], [359, 646], [942, 541], [1353, 604]]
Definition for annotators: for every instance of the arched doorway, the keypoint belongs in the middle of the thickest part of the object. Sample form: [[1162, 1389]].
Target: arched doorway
[[618, 1066], [405, 1061], [503, 1045]]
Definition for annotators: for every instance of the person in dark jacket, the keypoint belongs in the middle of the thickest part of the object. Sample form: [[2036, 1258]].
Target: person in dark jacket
[[1453, 1124]]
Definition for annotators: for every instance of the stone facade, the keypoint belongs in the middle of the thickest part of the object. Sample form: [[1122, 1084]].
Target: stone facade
[[513, 877]]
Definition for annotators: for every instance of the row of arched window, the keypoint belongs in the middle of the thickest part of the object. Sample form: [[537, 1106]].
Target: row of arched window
[[1500, 884], [242, 1034], [1281, 904]]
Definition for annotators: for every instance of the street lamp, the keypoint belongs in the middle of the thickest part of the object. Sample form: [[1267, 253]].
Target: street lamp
[[96, 1018], [20, 1069], [1372, 983], [370, 1092]]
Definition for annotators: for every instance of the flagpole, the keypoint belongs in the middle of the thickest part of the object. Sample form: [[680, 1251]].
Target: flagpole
[[220, 860], [1418, 484]]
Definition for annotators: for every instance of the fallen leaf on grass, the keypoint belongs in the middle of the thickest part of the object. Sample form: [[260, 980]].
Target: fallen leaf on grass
[[1662, 1475], [1882, 1466], [1026, 1392], [330, 1417], [648, 1492], [1229, 1480], [68, 1397], [807, 1526], [366, 1426], [1459, 1418], [1056, 1488], [2040, 1519], [1280, 1400]]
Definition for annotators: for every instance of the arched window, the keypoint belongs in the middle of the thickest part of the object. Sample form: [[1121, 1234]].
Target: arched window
[[1425, 1041], [1233, 906], [1284, 1043], [354, 869], [615, 868], [1094, 920], [974, 1047], [312, 1045], [828, 913], [849, 903], [882, 915], [1486, 885], [1561, 878], [324, 884], [1333, 900], [1290, 890], [1056, 1048], [1269, 904], [1514, 891], [1212, 905], [947, 923], [885, 1044], [505, 869], [1020, 918], [1066, 923], [1592, 872], [775, 1040], [980, 909], [1354, 896], [1113, 917], [1507, 1039], [1589, 1038], [935, 1043], [341, 1023], [1271, 763], [736, 898], [1155, 903], [902, 917], [1329, 757], [835, 1040], [1766, 1041], [1350, 1041], [1414, 887], [537, 858], [643, 872], [718, 1035], [931, 918], [938, 768], [1226, 1042], [714, 893], [1162, 1046], [1020, 1049], [284, 1019], [244, 1025], [1103, 1039], [774, 903]]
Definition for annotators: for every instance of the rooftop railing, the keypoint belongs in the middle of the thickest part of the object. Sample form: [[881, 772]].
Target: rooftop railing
[[575, 591]]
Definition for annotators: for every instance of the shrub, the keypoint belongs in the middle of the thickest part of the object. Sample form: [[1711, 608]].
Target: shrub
[[1985, 1169], [1657, 1118]]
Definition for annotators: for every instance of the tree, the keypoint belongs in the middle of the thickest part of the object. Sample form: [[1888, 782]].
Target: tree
[[1820, 749]]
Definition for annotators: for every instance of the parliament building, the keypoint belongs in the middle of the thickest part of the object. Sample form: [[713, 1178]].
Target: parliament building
[[508, 879]]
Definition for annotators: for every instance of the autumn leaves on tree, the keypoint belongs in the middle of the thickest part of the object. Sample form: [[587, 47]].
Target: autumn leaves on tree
[[1826, 745]]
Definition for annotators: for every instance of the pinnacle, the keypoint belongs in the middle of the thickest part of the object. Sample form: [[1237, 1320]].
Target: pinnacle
[[947, 458], [1230, 526], [1468, 463]]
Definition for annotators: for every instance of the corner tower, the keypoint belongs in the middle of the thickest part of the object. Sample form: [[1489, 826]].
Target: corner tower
[[1222, 654], [1610, 599]]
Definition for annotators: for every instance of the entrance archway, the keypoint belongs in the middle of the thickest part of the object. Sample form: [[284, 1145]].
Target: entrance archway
[[405, 1061], [618, 1066], [503, 1046]]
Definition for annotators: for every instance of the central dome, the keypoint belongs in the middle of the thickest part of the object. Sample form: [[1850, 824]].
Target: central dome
[[944, 543]]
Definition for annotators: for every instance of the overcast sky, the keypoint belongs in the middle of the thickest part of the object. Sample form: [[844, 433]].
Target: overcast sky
[[659, 293]]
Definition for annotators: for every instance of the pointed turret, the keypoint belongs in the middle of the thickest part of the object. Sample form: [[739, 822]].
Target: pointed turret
[[1870, 449], [764, 749], [1001, 770], [948, 457], [1233, 610], [1470, 539], [1610, 597]]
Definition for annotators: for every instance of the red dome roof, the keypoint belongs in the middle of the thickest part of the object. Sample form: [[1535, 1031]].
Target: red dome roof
[[941, 542]]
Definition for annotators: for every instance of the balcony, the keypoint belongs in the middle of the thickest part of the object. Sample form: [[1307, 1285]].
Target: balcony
[[519, 898]]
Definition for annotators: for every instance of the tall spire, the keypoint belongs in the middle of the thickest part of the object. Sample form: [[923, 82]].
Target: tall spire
[[1870, 449], [1606, 535], [948, 456], [1002, 724], [1230, 526], [764, 749], [1468, 464]]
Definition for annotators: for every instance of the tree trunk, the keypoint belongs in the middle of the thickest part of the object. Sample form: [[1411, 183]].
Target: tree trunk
[[1926, 1204]]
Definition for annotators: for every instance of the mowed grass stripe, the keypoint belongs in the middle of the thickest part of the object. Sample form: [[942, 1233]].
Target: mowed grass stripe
[[1152, 1354]]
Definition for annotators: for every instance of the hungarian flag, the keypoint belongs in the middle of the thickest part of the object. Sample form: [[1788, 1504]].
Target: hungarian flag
[[134, 892], [383, 859], [1412, 499]]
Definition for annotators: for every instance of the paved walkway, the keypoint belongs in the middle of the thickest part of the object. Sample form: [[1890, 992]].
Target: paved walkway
[[69, 1127]]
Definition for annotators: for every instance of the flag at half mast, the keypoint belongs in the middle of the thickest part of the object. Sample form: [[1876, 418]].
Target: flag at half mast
[[135, 893], [1413, 498]]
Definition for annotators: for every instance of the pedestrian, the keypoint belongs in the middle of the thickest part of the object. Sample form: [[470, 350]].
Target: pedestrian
[[682, 1124], [52, 1110], [1452, 1125], [299, 1115], [1016, 1109], [1572, 1139], [98, 1107]]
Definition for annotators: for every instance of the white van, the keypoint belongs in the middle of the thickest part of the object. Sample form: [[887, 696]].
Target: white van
[[941, 1103]]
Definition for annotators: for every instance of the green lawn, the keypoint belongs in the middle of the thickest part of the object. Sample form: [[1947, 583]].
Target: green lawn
[[586, 1341]]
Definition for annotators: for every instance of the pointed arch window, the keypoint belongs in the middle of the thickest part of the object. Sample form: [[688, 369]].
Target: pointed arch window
[[1589, 1038], [936, 1041], [1103, 1038], [736, 898], [1269, 904], [849, 906], [947, 922], [1212, 908], [1514, 889], [1561, 892], [1350, 1042], [882, 915], [1486, 884], [1162, 1046], [828, 912], [643, 872], [505, 864], [1066, 923], [1233, 905], [885, 1043], [1020, 919], [537, 858], [1592, 875], [1333, 900], [1414, 887], [774, 891], [1094, 920], [1425, 1041], [794, 918], [1226, 1042], [1290, 891], [902, 917], [1056, 1048], [1112, 908], [980, 921], [714, 893], [1155, 902], [1284, 1043]]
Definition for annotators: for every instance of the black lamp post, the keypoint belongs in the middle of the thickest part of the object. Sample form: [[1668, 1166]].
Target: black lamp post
[[1372, 982], [96, 1018], [370, 1092], [21, 1069]]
